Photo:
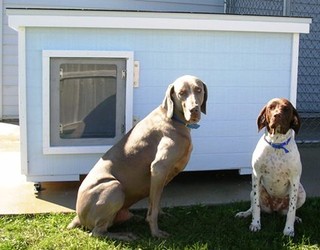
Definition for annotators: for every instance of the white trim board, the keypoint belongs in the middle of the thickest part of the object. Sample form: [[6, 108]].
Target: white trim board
[[154, 20], [294, 69], [46, 55], [23, 99], [1, 58]]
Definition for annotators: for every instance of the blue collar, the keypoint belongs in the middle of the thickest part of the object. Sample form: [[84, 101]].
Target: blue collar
[[192, 126], [279, 145]]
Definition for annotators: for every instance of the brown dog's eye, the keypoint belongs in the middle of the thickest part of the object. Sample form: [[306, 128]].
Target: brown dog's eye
[[285, 108], [272, 107], [182, 93]]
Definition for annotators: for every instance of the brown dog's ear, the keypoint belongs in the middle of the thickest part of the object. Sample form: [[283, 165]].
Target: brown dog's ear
[[261, 121], [205, 97], [168, 102], [296, 122]]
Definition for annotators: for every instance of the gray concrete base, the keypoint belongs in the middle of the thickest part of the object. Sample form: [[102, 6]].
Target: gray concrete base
[[188, 188]]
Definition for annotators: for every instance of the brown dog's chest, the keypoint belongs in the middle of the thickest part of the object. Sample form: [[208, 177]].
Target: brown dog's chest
[[275, 170], [272, 202], [275, 175]]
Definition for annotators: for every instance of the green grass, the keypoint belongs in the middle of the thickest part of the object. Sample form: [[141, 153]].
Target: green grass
[[194, 227]]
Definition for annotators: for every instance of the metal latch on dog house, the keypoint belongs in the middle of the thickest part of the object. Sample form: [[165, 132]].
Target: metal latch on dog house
[[136, 74], [123, 128], [123, 74]]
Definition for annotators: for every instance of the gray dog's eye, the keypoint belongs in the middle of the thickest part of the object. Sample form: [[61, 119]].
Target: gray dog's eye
[[198, 90]]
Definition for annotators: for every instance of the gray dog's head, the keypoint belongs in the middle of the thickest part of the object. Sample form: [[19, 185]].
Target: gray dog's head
[[186, 97]]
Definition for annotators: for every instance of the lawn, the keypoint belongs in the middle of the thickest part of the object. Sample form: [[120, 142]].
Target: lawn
[[193, 227]]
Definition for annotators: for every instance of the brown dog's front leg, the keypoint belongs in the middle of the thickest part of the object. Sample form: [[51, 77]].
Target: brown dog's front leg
[[291, 215], [255, 203], [158, 177]]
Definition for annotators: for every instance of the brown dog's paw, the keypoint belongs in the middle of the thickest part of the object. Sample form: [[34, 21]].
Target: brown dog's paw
[[298, 219]]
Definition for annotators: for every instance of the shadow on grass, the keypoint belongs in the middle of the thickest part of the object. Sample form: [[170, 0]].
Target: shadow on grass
[[193, 227], [215, 227]]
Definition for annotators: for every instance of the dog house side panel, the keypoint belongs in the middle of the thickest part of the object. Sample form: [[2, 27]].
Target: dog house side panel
[[242, 71]]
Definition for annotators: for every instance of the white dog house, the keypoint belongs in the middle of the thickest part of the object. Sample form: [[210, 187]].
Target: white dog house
[[86, 77]]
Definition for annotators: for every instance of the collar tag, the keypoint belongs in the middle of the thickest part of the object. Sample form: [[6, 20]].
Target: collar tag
[[191, 126]]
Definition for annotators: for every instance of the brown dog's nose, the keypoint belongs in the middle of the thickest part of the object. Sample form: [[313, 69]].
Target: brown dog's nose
[[276, 114]]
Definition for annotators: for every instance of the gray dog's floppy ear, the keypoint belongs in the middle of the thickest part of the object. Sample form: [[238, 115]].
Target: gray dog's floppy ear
[[205, 97], [167, 101], [295, 123], [261, 121]]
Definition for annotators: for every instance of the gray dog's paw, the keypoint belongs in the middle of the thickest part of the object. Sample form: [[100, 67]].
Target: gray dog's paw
[[161, 234], [116, 236]]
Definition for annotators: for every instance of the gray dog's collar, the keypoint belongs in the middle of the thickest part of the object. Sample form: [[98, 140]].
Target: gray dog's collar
[[191, 126]]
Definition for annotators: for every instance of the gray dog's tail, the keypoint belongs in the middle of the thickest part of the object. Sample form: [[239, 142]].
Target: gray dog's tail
[[74, 223]]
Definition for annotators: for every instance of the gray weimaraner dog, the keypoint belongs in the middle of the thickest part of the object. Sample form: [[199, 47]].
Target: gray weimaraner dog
[[142, 162]]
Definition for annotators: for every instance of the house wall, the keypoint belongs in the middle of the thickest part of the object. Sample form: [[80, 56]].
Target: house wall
[[244, 60], [9, 84], [1, 35], [241, 70]]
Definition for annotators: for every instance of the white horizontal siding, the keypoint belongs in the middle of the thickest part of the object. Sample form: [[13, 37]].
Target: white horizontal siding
[[9, 96], [213, 6], [10, 107], [10, 60], [1, 57]]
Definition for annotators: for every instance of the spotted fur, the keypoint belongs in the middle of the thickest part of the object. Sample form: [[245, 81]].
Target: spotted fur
[[276, 166]]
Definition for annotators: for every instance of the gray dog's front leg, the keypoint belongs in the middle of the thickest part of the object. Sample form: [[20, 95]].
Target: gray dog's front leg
[[158, 177]]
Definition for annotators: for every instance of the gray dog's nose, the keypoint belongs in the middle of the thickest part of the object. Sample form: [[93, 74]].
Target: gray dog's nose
[[194, 110]]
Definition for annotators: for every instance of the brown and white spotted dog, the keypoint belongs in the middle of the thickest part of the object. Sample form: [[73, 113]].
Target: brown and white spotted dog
[[276, 166]]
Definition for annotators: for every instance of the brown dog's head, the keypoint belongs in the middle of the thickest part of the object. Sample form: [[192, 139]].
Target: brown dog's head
[[278, 116], [187, 98]]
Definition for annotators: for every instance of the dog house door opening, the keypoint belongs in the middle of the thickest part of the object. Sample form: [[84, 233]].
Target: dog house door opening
[[87, 101]]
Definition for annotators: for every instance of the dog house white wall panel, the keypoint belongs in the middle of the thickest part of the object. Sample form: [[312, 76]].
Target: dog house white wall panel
[[243, 69]]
